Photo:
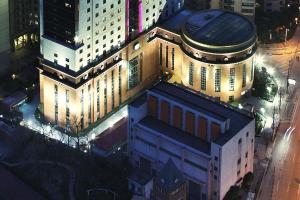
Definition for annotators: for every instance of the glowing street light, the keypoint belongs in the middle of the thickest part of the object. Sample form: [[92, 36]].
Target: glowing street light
[[271, 70], [259, 60], [262, 110]]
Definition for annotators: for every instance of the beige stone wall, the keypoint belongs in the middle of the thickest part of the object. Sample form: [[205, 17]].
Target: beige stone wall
[[148, 53]]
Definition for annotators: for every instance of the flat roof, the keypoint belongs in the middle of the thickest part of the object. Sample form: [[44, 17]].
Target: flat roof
[[202, 103], [176, 134]]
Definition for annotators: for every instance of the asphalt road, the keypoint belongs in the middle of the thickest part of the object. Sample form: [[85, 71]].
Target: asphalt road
[[287, 185]]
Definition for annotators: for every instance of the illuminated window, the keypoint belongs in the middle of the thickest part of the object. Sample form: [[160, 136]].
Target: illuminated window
[[112, 89], [217, 80], [231, 79], [252, 70], [160, 54], [56, 103], [167, 56], [173, 58], [120, 84], [191, 74], [244, 75], [90, 105], [105, 94], [203, 78], [133, 75], [82, 109]]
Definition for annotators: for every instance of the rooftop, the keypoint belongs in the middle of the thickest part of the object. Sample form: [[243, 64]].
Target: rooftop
[[176, 134], [207, 105], [214, 30]]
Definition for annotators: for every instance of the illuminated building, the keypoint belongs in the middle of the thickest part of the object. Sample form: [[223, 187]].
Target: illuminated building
[[19, 24], [82, 81], [4, 26], [210, 142], [244, 7], [24, 23]]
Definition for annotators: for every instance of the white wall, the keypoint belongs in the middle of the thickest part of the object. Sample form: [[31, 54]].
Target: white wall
[[231, 153], [4, 26]]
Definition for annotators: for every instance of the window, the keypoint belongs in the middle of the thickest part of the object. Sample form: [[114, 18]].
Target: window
[[160, 54], [246, 155], [133, 77], [112, 89], [56, 103], [167, 56], [231, 79], [239, 161], [55, 55], [120, 84], [244, 75], [105, 94], [240, 140], [217, 80], [231, 98], [191, 72], [252, 70], [173, 58], [203, 78], [82, 109]]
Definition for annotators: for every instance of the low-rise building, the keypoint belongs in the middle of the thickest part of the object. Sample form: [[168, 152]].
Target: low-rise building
[[210, 142]]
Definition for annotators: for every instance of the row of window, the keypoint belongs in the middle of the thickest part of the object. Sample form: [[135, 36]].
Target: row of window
[[217, 77]]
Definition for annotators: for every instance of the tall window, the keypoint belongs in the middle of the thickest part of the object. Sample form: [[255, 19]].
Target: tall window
[[82, 109], [133, 75], [105, 94], [191, 74], [231, 79], [67, 109], [173, 58], [89, 105], [112, 89], [217, 80], [203, 78], [244, 75], [160, 53], [167, 56], [98, 99], [252, 70], [56, 104], [120, 85]]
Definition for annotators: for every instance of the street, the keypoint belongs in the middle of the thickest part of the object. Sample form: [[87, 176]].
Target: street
[[287, 174], [282, 178]]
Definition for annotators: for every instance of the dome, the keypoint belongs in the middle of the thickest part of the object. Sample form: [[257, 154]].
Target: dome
[[219, 31]]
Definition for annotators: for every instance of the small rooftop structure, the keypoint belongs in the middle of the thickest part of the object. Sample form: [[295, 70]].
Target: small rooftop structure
[[10, 102]]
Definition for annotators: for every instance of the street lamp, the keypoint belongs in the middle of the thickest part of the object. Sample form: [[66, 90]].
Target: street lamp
[[285, 38]]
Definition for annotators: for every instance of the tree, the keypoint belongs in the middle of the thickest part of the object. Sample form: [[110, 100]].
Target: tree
[[233, 193], [75, 129], [247, 180]]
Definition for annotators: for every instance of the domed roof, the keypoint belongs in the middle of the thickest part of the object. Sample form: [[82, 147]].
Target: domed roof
[[219, 31]]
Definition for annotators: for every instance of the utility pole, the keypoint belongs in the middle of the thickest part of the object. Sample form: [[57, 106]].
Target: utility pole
[[273, 124], [287, 78], [280, 96]]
